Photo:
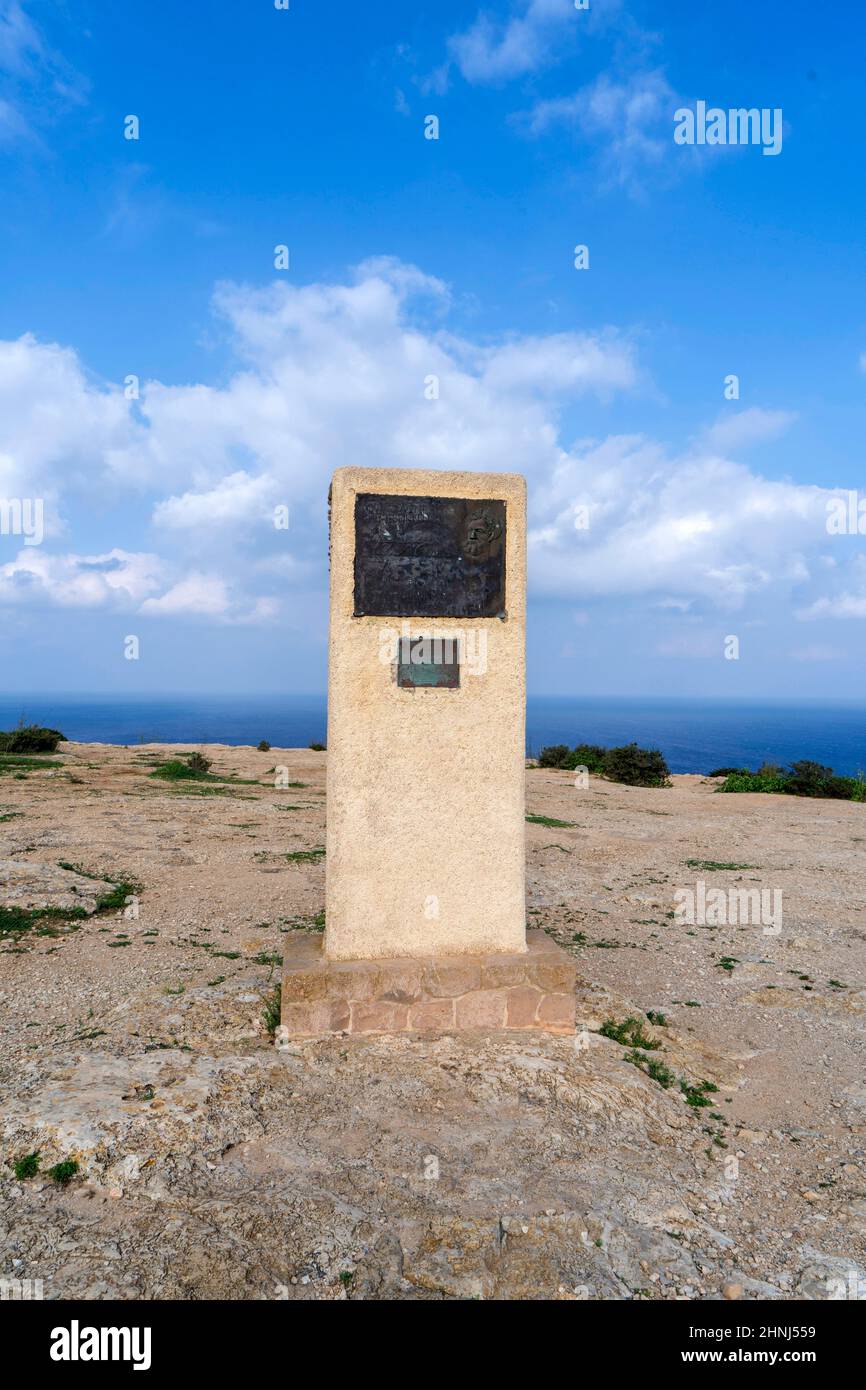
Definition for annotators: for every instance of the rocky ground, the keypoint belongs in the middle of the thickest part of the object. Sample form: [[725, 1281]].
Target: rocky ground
[[134, 1041]]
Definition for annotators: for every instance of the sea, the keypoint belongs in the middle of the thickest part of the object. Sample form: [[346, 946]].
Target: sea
[[694, 735]]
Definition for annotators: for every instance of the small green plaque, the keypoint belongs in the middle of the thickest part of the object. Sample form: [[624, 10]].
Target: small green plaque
[[428, 663]]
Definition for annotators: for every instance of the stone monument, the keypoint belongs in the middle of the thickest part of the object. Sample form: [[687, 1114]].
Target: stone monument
[[425, 919]]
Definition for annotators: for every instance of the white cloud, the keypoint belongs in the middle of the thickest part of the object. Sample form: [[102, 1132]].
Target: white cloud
[[336, 373], [489, 51], [562, 362], [844, 605], [198, 594], [535, 34], [54, 421], [234, 500], [740, 428], [693, 525], [627, 119], [116, 578]]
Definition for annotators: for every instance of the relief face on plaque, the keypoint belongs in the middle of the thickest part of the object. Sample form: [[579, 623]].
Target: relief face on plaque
[[429, 557]]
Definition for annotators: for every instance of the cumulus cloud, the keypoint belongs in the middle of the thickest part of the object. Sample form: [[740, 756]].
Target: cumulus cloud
[[114, 579], [55, 422], [562, 362], [335, 373], [628, 517], [198, 593], [235, 499]]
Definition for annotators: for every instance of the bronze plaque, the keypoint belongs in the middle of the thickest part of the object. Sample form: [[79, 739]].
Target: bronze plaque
[[429, 557]]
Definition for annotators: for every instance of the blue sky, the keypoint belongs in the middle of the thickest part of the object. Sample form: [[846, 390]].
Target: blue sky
[[410, 256]]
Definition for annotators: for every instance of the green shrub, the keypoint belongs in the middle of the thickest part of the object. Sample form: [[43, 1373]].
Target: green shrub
[[630, 1033], [554, 756], [26, 1167], [636, 767], [728, 772], [175, 770], [63, 1172], [30, 738], [194, 768], [264, 746], [697, 1094], [655, 1070], [318, 747], [803, 778], [752, 782], [588, 755], [814, 779], [271, 1011]]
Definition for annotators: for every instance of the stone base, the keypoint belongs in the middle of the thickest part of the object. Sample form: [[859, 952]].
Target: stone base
[[533, 991]]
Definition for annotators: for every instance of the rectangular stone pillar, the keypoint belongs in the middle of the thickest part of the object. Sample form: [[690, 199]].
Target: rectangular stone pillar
[[426, 757], [425, 880]]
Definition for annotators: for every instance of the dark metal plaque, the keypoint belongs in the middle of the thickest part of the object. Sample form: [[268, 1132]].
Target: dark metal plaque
[[429, 557], [428, 663]]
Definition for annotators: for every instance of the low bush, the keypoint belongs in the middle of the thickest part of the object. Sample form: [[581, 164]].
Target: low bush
[[554, 756], [26, 1167], [588, 755], [636, 767], [176, 770], [803, 778], [30, 738], [272, 1010], [752, 782], [630, 1033], [64, 1172], [813, 779]]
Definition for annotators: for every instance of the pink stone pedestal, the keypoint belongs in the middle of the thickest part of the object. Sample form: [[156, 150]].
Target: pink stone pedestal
[[532, 991]]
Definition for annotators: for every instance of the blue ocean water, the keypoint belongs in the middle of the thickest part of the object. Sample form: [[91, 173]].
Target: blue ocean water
[[699, 735], [694, 735]]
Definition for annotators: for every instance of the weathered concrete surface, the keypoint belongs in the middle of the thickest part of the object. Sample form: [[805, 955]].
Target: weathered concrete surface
[[425, 787]]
